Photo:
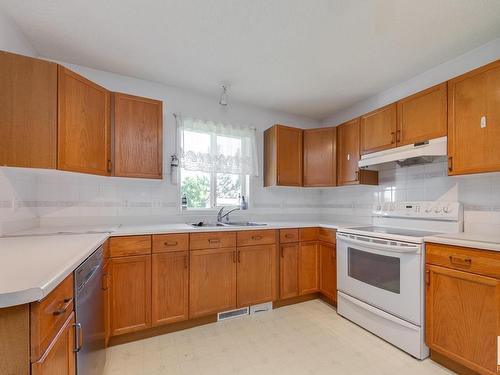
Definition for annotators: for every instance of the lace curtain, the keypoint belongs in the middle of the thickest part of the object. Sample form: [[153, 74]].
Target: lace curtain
[[209, 146]]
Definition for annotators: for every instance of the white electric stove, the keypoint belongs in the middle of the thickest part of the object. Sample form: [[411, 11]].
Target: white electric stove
[[380, 269]]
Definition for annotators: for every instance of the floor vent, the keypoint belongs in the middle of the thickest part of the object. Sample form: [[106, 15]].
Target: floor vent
[[232, 314], [261, 307]]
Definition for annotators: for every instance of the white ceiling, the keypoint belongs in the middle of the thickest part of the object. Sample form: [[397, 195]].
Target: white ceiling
[[303, 57]]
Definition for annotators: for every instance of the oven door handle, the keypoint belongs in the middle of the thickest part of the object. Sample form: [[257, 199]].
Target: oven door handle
[[378, 246]]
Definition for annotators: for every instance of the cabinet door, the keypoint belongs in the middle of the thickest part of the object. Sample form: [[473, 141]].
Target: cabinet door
[[212, 281], [348, 152], [474, 121], [83, 125], [328, 271], [28, 112], [138, 136], [308, 268], [463, 317], [130, 294], [256, 274], [289, 270], [423, 116], [59, 358], [320, 157], [170, 279], [378, 129], [289, 160]]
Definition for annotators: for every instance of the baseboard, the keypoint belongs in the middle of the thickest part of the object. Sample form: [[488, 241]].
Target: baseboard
[[451, 364], [294, 300]]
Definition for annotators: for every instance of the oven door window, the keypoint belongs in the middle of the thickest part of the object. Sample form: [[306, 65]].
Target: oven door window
[[377, 270]]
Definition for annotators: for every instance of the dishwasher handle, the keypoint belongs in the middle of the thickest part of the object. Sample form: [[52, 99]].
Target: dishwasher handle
[[78, 337]]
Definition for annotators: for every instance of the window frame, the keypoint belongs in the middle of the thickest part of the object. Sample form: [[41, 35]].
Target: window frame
[[244, 183]]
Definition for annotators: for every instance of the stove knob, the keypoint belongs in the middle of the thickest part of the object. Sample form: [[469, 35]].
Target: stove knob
[[438, 209], [447, 209]]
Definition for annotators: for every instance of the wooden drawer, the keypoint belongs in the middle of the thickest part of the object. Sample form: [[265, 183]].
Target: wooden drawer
[[256, 237], [327, 235], [165, 243], [289, 235], [48, 316], [130, 245], [308, 234], [212, 240], [482, 262]]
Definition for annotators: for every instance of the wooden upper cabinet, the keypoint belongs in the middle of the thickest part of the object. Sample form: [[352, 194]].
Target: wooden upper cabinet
[[28, 112], [474, 121], [378, 129], [320, 157], [83, 125], [130, 294], [138, 136], [256, 274], [348, 172], [463, 317], [283, 156], [170, 281], [423, 116]]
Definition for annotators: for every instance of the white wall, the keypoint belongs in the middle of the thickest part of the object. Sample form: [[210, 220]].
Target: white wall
[[12, 39]]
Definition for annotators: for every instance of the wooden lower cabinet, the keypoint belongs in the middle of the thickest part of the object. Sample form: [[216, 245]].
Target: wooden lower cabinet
[[328, 271], [130, 294], [289, 270], [256, 274], [212, 281], [59, 359], [170, 287], [308, 267], [463, 317]]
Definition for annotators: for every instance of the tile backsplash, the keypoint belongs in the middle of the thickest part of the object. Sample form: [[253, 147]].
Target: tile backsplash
[[29, 197]]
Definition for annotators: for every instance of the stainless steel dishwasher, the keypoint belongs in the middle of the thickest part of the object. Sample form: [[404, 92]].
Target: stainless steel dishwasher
[[89, 306]]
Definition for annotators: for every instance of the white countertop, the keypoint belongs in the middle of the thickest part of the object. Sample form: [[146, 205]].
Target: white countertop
[[33, 262], [468, 239], [31, 267]]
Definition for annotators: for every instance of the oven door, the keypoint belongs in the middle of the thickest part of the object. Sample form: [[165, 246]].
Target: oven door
[[382, 273]]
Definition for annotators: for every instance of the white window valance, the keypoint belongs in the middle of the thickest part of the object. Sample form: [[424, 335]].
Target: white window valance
[[210, 146]]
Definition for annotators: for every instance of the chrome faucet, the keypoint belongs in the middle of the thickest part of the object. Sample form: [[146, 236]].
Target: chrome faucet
[[221, 216]]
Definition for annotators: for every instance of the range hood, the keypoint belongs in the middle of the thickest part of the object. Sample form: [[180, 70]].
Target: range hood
[[417, 153]]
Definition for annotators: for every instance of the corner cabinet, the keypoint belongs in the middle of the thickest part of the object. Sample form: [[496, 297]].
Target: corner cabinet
[[283, 156], [474, 121], [463, 307], [348, 146], [137, 136], [320, 157], [28, 112], [83, 125]]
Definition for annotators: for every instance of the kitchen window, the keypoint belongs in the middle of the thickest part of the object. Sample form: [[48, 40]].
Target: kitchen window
[[216, 162]]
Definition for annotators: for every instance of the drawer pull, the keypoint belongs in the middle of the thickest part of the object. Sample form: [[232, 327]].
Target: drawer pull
[[172, 243], [63, 308], [459, 261], [256, 238], [288, 235], [214, 240]]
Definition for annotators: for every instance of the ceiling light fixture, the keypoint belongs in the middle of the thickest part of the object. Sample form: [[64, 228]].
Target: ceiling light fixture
[[224, 95]]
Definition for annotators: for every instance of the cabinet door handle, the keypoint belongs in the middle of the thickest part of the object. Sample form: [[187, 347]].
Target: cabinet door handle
[[282, 253], [239, 256], [234, 256], [78, 337], [460, 261], [213, 240], [63, 308], [110, 166], [288, 235], [450, 163], [185, 261], [256, 238], [398, 136], [172, 243]]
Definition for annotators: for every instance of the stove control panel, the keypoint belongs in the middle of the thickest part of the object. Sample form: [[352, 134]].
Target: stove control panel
[[451, 211]]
